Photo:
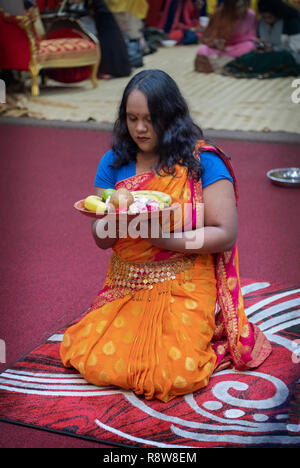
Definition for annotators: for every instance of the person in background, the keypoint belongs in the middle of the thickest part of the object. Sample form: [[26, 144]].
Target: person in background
[[279, 27], [277, 52], [178, 19], [212, 5], [130, 16], [231, 32], [114, 53]]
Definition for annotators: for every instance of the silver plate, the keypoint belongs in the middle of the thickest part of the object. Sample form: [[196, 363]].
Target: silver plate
[[285, 176]]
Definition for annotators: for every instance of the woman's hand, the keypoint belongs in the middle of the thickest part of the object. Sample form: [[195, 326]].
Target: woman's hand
[[219, 44], [103, 239], [105, 235], [262, 46]]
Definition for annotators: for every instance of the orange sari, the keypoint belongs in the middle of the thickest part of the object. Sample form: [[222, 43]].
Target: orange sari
[[153, 328]]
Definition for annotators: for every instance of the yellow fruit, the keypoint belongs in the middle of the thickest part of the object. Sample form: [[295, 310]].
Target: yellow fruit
[[94, 203]]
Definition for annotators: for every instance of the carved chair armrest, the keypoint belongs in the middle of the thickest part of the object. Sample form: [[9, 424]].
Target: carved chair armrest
[[37, 25]]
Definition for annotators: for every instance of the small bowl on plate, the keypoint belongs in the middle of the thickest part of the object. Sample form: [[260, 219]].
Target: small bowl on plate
[[285, 176]]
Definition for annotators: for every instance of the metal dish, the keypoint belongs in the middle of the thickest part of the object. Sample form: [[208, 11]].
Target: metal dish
[[286, 176]]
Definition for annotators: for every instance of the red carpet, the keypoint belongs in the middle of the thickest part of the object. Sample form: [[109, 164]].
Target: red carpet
[[51, 270], [248, 409]]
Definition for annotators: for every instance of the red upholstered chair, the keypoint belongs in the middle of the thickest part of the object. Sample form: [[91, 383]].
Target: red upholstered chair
[[25, 47]]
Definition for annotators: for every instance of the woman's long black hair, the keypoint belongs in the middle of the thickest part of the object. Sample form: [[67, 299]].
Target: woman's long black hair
[[177, 133]]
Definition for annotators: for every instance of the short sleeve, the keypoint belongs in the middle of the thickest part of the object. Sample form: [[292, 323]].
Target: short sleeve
[[106, 175], [214, 169]]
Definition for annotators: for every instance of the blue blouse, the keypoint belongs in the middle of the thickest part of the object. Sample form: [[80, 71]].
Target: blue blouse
[[213, 169]]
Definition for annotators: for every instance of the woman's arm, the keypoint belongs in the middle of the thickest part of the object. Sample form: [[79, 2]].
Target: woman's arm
[[220, 224], [106, 242]]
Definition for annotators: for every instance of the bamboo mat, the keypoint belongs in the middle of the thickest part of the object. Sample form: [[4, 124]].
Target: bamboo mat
[[216, 102]]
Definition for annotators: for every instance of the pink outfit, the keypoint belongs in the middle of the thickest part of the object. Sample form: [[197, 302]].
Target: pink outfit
[[240, 43]]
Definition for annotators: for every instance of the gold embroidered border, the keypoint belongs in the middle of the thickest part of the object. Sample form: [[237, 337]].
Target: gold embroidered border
[[231, 317], [135, 182], [132, 277]]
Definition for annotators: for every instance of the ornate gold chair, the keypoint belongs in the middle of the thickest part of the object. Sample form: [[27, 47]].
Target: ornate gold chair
[[25, 46]]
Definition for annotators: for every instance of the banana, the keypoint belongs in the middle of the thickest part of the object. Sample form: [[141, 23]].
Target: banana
[[94, 203], [153, 195]]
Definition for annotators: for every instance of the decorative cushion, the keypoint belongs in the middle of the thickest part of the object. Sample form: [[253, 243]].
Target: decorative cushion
[[68, 75], [66, 48]]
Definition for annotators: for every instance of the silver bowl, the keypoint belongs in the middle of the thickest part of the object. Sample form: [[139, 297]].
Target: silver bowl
[[285, 176]]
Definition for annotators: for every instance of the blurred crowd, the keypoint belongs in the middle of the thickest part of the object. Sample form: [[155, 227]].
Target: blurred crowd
[[242, 42], [258, 38], [237, 37]]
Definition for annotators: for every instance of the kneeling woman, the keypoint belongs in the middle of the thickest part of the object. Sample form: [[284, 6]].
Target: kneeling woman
[[231, 32], [171, 309]]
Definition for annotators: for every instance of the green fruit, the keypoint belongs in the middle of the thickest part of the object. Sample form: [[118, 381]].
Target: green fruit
[[107, 193]]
